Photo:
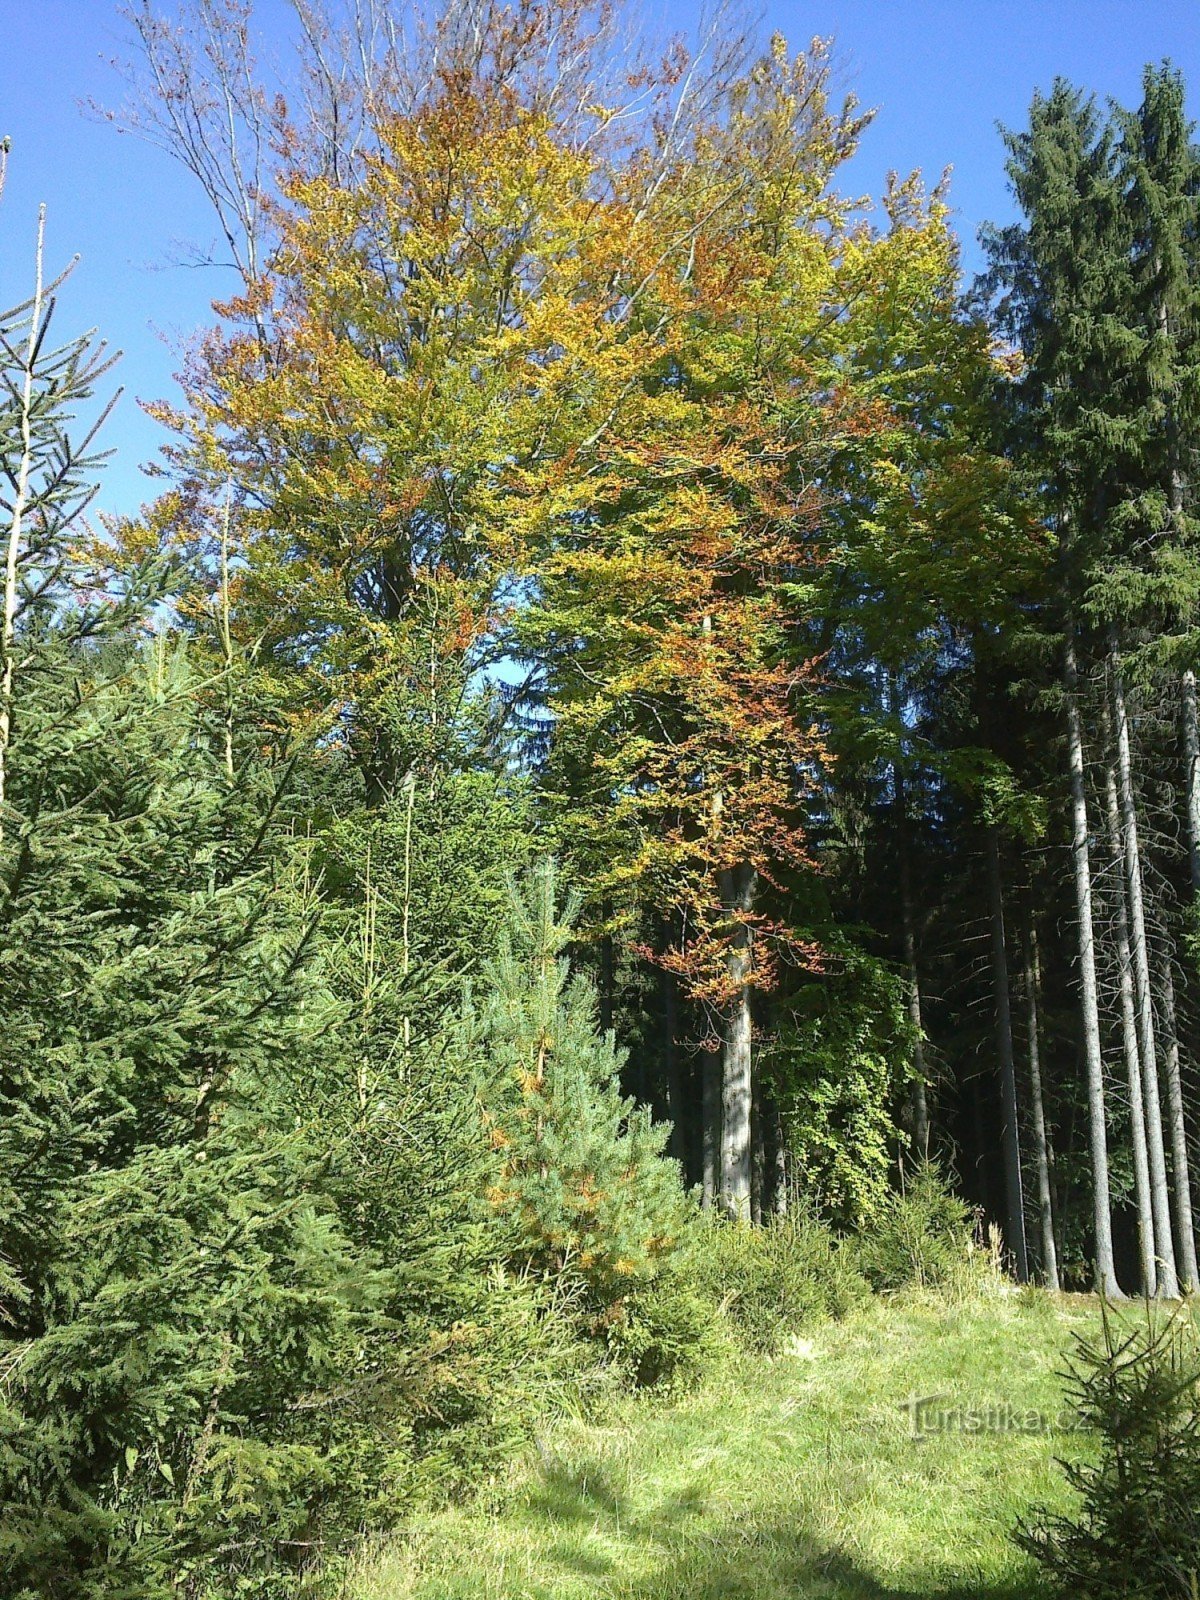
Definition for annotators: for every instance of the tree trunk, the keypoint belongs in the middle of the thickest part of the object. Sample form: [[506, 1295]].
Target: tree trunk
[[671, 1065], [1038, 1112], [18, 508], [738, 886], [782, 1174], [1129, 1036], [1013, 1189], [1182, 1189], [1160, 1195], [1191, 758], [908, 916], [758, 1161], [1106, 1275], [710, 1126]]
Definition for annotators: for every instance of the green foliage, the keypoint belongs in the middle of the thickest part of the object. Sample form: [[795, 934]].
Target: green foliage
[[580, 1179], [775, 1281], [922, 1237], [176, 1282], [1135, 1530], [832, 1067], [252, 1301], [634, 494], [668, 1332], [415, 855]]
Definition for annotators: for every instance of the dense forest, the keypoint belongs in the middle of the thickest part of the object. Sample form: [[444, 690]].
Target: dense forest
[[645, 716]]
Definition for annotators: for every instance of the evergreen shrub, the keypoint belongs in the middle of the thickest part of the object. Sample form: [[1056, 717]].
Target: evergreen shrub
[[775, 1280], [1135, 1531], [922, 1237]]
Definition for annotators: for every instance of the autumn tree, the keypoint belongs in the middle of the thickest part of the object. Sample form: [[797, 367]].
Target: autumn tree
[[682, 740]]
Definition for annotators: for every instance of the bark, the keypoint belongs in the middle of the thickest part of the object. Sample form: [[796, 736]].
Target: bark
[[1184, 1220], [1182, 1188], [1129, 1037], [226, 635], [781, 1195], [1106, 1275], [710, 1131], [758, 1162], [607, 980], [1160, 1195], [671, 1063], [908, 917], [1013, 1188], [1191, 757], [738, 886], [1041, 1141], [410, 799]]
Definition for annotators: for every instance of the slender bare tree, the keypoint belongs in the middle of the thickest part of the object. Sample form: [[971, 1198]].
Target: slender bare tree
[[1041, 1141], [1129, 1039], [1164, 1248], [1105, 1265]]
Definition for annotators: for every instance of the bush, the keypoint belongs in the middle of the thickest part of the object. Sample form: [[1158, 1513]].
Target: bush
[[1137, 1530], [775, 1280], [667, 1333], [921, 1238]]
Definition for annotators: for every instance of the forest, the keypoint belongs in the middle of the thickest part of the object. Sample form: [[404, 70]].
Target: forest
[[633, 793]]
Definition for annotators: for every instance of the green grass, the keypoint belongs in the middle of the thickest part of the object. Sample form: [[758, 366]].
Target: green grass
[[798, 1477]]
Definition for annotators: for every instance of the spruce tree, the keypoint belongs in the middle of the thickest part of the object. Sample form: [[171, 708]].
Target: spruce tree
[[1056, 278], [1153, 590], [173, 1278], [1102, 292]]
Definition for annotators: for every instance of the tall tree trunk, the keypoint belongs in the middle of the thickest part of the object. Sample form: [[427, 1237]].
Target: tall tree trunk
[[1160, 1195], [1185, 1226], [1191, 775], [738, 885], [758, 1161], [908, 919], [1037, 1109], [710, 1127], [1106, 1274], [1191, 726], [1129, 1036], [1184, 1220], [671, 1065], [1014, 1195], [782, 1195]]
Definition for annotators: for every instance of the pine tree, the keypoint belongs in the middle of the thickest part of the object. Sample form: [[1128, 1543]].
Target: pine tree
[[580, 1177]]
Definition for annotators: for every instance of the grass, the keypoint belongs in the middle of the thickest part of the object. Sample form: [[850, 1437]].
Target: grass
[[798, 1477]]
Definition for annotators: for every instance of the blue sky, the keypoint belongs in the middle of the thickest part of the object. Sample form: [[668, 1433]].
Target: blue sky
[[941, 72]]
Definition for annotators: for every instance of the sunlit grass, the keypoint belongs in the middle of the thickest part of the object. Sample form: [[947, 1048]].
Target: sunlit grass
[[799, 1477]]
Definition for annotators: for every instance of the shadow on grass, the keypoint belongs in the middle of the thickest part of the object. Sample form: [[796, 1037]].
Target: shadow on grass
[[571, 1494], [688, 1556]]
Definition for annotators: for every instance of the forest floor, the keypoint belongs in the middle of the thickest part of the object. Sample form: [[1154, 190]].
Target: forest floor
[[801, 1477]]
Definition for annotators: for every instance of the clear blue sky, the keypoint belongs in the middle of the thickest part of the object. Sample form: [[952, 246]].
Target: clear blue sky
[[941, 72]]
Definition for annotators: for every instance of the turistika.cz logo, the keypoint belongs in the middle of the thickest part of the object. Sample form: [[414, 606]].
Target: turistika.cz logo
[[940, 1413]]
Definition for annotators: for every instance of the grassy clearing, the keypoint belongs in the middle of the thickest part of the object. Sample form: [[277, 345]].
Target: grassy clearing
[[797, 1477]]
